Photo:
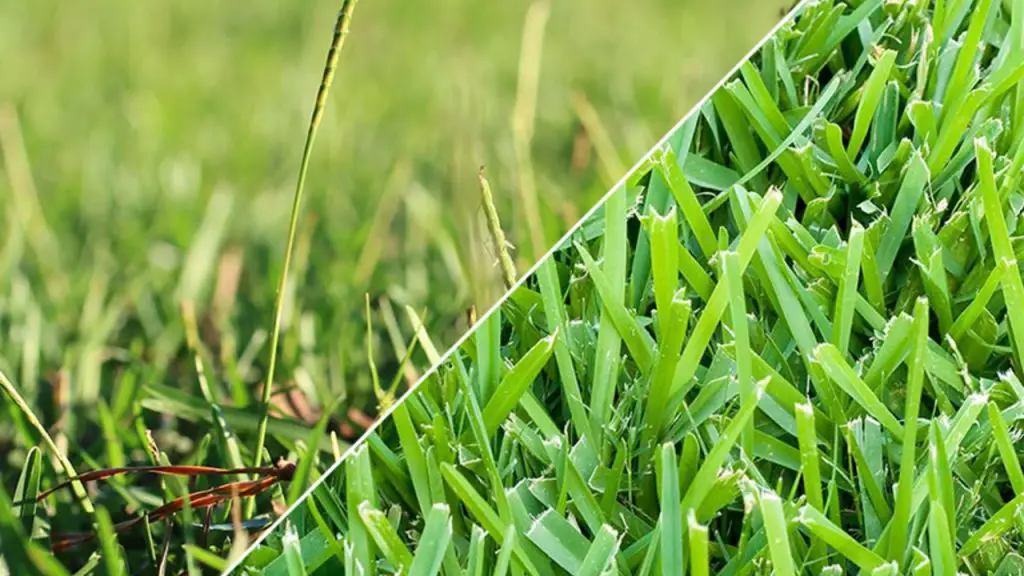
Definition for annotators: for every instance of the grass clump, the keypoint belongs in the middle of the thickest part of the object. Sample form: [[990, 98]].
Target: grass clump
[[146, 213], [788, 344]]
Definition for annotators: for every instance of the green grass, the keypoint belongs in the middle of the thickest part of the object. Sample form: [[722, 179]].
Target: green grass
[[148, 160], [754, 357]]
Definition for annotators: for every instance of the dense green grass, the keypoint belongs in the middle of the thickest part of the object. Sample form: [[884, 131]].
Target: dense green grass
[[789, 345], [149, 154]]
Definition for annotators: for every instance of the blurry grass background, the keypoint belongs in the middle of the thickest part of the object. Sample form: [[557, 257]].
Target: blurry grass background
[[149, 151]]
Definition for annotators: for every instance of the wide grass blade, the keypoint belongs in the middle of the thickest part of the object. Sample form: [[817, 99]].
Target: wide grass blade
[[671, 520], [601, 554], [821, 527], [516, 383], [775, 526], [385, 536], [437, 534], [905, 491]]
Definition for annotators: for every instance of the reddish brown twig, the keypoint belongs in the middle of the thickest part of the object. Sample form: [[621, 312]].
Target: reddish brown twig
[[282, 471]]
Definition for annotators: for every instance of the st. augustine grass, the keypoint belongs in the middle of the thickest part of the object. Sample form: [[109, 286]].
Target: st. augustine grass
[[790, 345], [148, 159]]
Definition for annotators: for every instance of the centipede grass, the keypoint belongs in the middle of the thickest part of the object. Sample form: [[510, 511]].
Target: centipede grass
[[788, 344], [148, 154]]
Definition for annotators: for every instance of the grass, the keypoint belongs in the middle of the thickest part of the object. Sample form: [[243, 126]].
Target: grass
[[149, 171], [341, 30], [789, 344]]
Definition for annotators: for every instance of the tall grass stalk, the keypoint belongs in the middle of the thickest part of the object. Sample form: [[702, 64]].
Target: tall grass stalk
[[341, 28]]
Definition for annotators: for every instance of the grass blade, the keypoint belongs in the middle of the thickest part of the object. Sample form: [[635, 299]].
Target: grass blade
[[775, 527], [437, 534]]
